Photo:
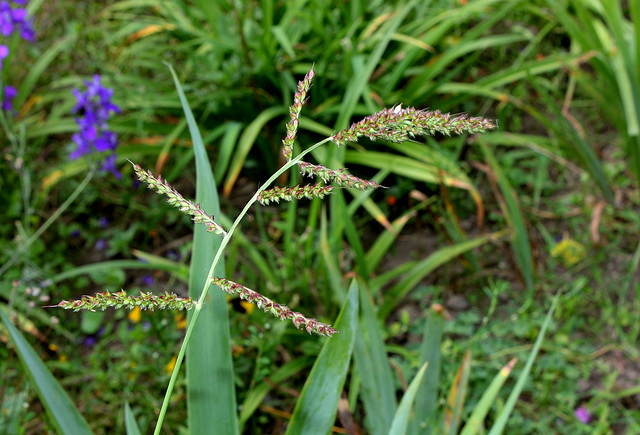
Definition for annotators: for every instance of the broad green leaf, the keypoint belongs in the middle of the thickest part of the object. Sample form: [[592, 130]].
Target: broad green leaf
[[372, 364], [59, 406], [317, 406], [130, 423], [427, 400], [211, 396]]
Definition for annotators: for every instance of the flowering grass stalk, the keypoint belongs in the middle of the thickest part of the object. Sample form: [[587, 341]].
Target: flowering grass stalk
[[396, 124]]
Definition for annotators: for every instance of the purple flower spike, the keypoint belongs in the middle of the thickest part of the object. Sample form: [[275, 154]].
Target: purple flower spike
[[12, 19], [94, 107], [7, 99]]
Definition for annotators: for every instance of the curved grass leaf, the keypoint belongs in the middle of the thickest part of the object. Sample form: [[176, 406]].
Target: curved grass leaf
[[317, 406], [502, 419], [457, 396], [246, 141], [401, 419], [475, 422], [167, 265], [426, 266], [359, 81], [59, 406], [520, 237], [130, 423], [37, 69]]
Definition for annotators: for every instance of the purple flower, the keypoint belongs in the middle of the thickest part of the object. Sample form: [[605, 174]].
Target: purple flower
[[7, 98], [148, 280], [103, 222], [109, 164], [11, 19], [90, 341], [101, 244], [4, 52], [75, 233], [583, 414], [94, 107]]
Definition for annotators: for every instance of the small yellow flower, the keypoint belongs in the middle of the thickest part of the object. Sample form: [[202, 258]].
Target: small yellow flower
[[170, 365], [135, 315], [568, 251], [62, 358], [53, 347], [248, 306], [181, 321]]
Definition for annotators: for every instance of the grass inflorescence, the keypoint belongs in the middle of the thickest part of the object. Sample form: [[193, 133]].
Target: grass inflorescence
[[396, 124]]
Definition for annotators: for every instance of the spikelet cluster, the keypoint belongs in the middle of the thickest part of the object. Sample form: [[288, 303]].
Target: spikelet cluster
[[146, 301], [294, 111], [177, 200], [293, 193], [280, 311], [399, 125], [339, 176]]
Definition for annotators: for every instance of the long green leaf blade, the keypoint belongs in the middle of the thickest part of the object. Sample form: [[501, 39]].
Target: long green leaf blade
[[316, 409], [426, 266], [474, 424], [401, 419], [130, 423], [501, 421], [520, 238], [59, 406], [427, 400], [211, 392], [372, 364]]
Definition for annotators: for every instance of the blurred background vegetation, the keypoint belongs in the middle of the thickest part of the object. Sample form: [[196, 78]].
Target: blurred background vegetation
[[477, 234]]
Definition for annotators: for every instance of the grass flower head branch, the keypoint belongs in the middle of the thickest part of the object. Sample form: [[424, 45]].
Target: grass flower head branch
[[399, 125], [177, 200]]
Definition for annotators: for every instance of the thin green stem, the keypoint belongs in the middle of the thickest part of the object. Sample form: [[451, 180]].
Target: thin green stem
[[207, 284], [48, 222]]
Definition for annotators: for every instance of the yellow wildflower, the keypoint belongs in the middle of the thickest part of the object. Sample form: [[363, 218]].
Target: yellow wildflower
[[135, 315], [170, 365], [568, 251]]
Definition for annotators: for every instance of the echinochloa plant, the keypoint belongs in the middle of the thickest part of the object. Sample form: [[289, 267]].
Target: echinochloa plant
[[396, 124]]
